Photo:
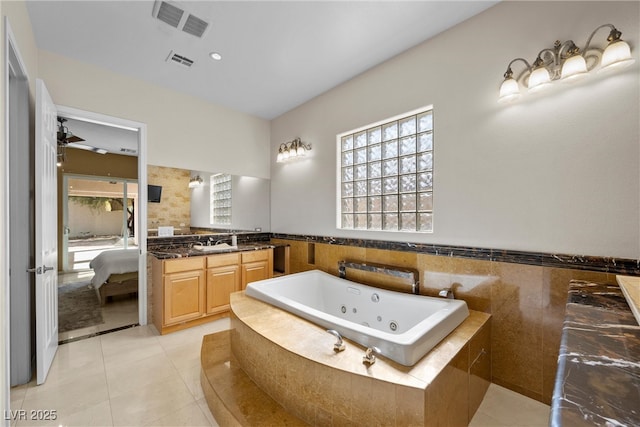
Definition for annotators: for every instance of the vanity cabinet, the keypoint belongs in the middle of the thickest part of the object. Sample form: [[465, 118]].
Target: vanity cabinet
[[184, 290], [256, 265], [223, 278], [194, 290]]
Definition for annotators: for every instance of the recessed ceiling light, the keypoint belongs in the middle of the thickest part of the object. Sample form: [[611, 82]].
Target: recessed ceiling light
[[215, 56]]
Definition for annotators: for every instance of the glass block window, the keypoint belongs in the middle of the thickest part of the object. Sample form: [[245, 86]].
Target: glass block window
[[220, 185], [386, 175]]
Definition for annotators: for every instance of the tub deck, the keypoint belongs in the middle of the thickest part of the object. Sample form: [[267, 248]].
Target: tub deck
[[293, 361]]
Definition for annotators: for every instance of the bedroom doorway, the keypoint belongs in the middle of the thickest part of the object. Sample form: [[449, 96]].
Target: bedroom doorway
[[101, 211]]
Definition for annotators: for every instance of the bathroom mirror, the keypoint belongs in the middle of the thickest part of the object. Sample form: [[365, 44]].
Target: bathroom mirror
[[186, 201], [238, 202]]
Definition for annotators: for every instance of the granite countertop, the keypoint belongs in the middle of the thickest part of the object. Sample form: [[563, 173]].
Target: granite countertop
[[598, 377], [188, 251]]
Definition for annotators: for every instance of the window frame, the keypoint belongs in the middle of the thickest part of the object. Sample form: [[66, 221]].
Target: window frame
[[213, 190], [428, 190]]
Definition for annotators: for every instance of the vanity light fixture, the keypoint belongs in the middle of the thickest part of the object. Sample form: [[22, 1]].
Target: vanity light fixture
[[566, 62], [292, 150], [195, 181]]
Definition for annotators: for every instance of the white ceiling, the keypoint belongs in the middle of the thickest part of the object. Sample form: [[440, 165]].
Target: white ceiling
[[276, 55]]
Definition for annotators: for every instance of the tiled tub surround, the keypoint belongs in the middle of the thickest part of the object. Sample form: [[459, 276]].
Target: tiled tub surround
[[525, 293], [293, 361], [598, 380]]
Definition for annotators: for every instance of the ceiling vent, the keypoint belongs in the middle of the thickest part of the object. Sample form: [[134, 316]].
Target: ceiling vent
[[128, 150], [178, 18], [179, 59]]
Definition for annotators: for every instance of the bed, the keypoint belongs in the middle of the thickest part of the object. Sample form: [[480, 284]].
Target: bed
[[116, 273]]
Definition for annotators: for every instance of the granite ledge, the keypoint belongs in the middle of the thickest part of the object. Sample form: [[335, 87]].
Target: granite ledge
[[188, 251], [598, 377]]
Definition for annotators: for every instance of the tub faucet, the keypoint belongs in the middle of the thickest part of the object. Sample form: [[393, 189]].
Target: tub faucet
[[369, 357], [339, 345], [446, 293]]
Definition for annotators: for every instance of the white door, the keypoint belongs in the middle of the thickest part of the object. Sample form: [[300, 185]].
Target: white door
[[46, 243]]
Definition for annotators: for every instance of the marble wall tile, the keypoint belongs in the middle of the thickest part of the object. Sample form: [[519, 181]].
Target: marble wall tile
[[328, 256], [298, 255], [479, 367], [448, 394], [410, 406], [516, 332], [471, 280]]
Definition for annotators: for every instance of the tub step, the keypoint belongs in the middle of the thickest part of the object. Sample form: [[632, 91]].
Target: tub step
[[233, 398]]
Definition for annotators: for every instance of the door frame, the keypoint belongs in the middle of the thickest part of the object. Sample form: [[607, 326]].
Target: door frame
[[141, 220], [12, 60]]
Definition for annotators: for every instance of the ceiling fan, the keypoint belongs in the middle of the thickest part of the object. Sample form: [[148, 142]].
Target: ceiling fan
[[64, 134], [67, 139]]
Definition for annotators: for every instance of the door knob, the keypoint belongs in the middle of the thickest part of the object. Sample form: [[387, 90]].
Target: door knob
[[39, 270]]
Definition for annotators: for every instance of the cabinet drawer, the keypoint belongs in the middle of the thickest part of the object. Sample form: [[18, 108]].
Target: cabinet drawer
[[223, 259], [253, 256], [183, 264]]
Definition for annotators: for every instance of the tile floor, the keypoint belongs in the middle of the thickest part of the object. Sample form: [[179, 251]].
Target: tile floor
[[136, 377]]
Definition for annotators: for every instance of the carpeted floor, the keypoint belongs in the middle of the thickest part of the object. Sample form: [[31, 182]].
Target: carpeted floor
[[78, 307]]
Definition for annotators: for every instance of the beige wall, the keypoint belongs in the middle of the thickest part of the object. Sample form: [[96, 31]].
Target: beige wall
[[527, 304], [182, 131], [175, 204], [554, 173]]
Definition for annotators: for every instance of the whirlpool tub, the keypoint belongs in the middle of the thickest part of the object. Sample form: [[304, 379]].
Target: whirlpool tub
[[403, 327]]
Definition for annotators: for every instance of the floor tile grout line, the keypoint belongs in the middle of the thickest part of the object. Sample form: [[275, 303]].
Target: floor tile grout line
[[106, 380]]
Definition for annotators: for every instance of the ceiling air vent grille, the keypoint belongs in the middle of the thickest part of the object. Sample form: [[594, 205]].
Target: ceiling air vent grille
[[179, 59], [127, 150], [178, 18], [169, 13], [195, 26]]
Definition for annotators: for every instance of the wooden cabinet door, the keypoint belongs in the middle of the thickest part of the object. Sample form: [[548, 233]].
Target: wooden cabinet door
[[254, 271], [221, 282], [184, 296]]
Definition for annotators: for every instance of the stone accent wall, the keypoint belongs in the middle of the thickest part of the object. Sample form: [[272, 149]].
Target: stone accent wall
[[175, 204]]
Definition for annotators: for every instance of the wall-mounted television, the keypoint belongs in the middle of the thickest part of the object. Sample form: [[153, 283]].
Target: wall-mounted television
[[154, 192]]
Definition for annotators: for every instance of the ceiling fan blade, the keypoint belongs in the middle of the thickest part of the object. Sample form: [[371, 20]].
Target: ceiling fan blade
[[73, 138]]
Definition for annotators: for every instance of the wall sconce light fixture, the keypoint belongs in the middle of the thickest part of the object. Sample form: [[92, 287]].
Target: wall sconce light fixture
[[195, 181], [292, 150], [566, 62]]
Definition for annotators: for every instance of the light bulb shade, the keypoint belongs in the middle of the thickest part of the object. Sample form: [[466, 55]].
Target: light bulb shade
[[301, 151], [539, 79], [573, 68], [279, 158], [509, 90], [616, 55]]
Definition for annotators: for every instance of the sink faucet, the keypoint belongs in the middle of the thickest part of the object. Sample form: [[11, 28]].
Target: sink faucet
[[210, 241], [369, 357], [339, 345]]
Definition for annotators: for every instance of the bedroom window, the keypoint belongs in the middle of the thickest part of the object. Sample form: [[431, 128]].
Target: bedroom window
[[386, 175], [220, 185]]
